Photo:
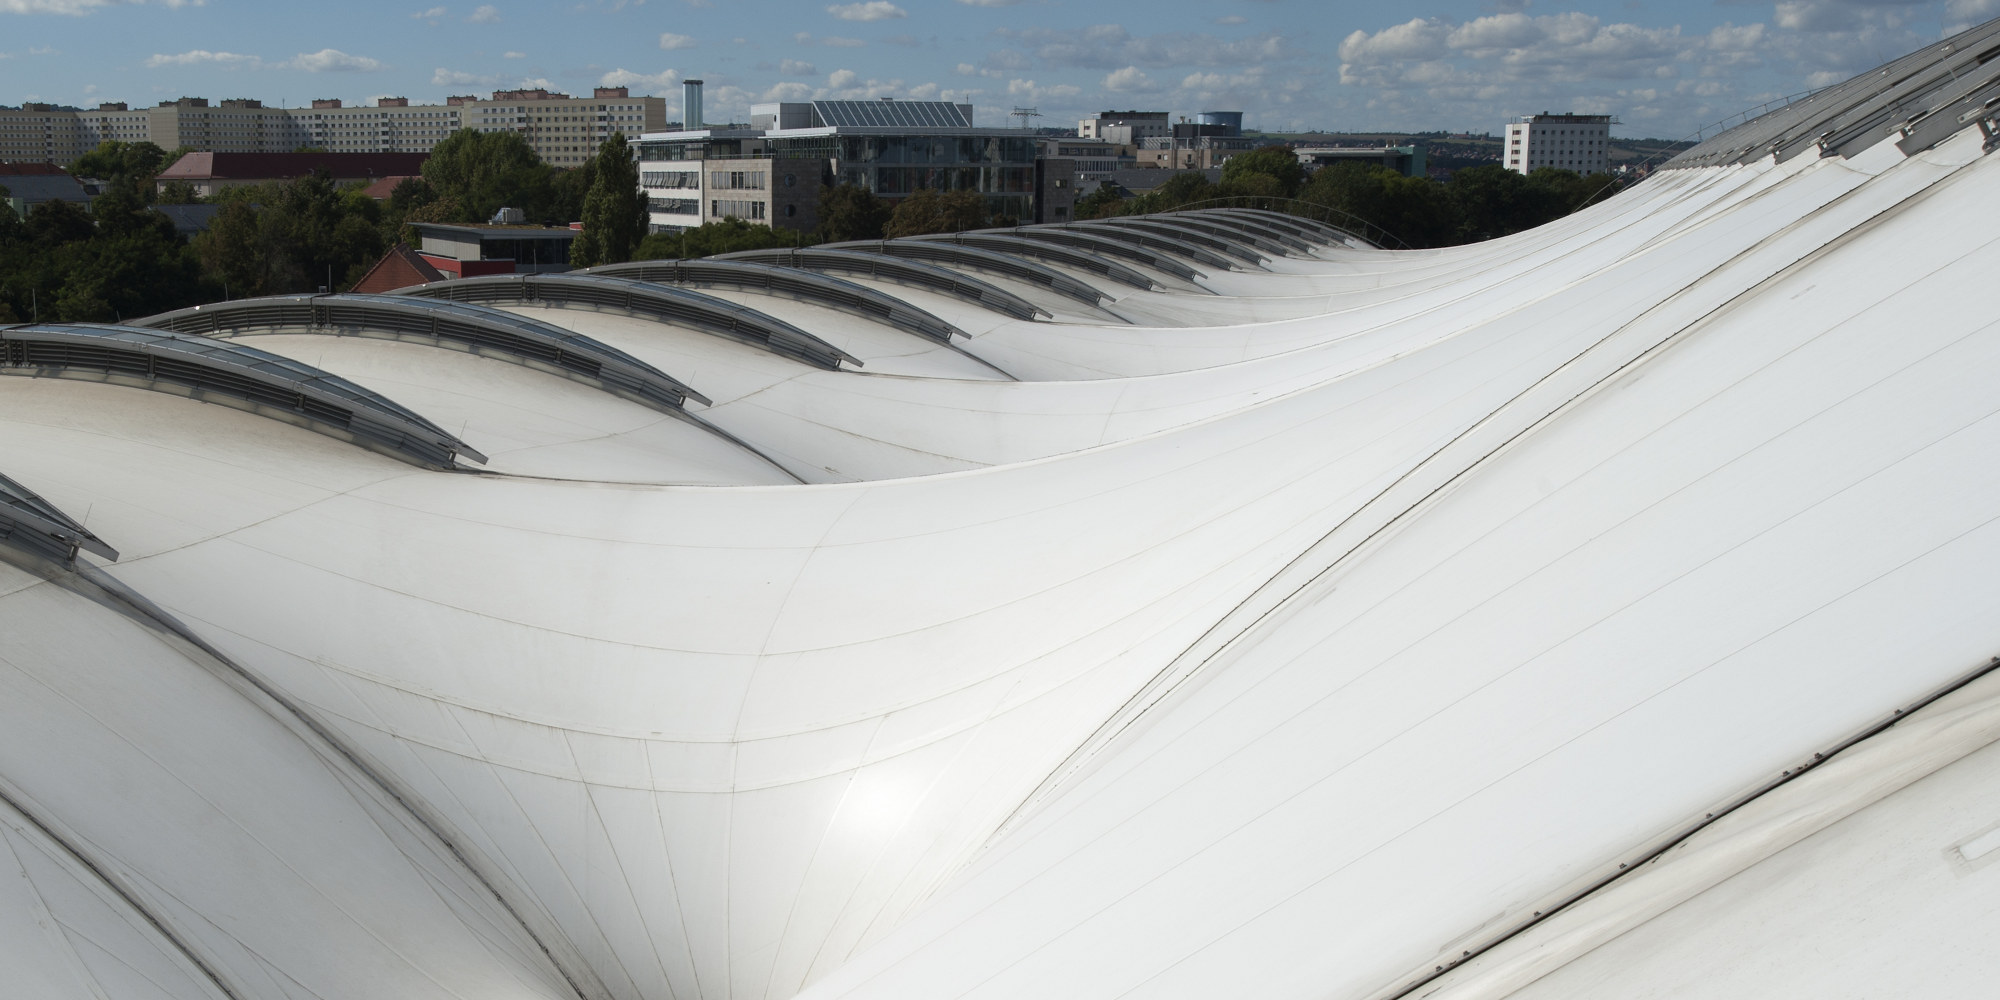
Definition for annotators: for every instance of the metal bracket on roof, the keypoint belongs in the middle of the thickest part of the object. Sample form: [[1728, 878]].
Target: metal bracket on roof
[[908, 272], [665, 303], [978, 259], [37, 527], [233, 375], [789, 282], [476, 329]]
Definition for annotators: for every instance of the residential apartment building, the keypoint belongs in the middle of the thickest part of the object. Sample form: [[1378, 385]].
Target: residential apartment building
[[1565, 142], [563, 130], [771, 171]]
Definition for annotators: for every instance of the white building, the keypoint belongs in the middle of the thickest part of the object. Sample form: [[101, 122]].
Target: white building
[[1565, 142]]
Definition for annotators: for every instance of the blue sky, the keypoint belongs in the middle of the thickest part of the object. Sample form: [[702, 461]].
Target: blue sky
[[1665, 67]]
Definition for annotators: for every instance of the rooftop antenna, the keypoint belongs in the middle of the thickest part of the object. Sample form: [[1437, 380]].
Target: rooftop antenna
[[1026, 115]]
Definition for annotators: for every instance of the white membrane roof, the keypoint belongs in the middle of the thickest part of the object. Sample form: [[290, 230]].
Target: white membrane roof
[[1345, 627]]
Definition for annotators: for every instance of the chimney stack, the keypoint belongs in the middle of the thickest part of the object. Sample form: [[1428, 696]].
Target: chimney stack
[[691, 105]]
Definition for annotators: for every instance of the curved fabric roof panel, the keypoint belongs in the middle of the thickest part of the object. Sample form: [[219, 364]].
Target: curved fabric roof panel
[[1174, 243], [1255, 240], [493, 333], [639, 298], [1283, 240], [1193, 232], [909, 272], [1329, 235], [1017, 246], [979, 259], [33, 525], [235, 375], [791, 282], [1452, 624], [1096, 245]]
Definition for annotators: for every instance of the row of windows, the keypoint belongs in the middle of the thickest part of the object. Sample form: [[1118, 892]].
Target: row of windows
[[752, 210], [674, 206], [736, 180], [670, 179]]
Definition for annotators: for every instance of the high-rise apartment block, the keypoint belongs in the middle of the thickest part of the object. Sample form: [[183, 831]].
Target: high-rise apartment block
[[563, 130], [1565, 142]]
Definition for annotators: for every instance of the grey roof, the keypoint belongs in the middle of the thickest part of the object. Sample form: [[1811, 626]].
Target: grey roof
[[216, 371], [902, 114], [31, 189], [189, 219], [476, 329], [1140, 180]]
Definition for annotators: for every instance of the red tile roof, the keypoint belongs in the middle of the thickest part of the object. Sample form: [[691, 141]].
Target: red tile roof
[[382, 189], [401, 267], [28, 169], [283, 166]]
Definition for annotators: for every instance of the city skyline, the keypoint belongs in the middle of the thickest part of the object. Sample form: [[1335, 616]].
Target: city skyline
[[1452, 65]]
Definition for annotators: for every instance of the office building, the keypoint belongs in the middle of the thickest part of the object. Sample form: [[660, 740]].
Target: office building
[[771, 171], [1565, 142], [209, 173], [1125, 128]]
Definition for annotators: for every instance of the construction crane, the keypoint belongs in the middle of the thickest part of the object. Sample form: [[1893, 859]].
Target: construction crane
[[1026, 115]]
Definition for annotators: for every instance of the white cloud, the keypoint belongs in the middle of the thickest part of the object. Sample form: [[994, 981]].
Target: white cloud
[[77, 8], [790, 90], [1416, 39], [989, 3], [483, 14], [794, 67], [1232, 19], [332, 61], [442, 77], [872, 10], [513, 55], [535, 83], [203, 57], [433, 15], [1971, 12], [1033, 91], [1130, 80], [842, 43], [670, 41], [842, 78], [665, 79]]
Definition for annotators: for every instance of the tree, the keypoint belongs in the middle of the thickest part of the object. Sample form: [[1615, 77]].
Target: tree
[[293, 236], [1276, 162], [929, 211], [614, 212], [1100, 203], [849, 212], [129, 165], [482, 172], [728, 236]]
